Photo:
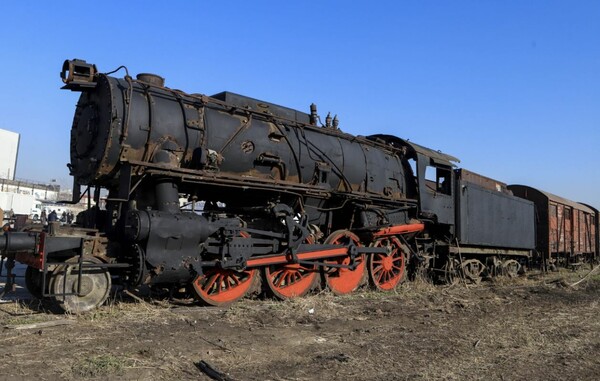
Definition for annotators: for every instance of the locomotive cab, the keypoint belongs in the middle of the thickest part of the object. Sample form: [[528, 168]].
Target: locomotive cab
[[437, 194]]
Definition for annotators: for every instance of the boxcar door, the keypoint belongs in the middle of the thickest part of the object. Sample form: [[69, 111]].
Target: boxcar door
[[555, 232], [569, 237], [577, 230]]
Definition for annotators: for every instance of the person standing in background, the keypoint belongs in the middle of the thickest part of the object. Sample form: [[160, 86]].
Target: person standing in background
[[44, 218]]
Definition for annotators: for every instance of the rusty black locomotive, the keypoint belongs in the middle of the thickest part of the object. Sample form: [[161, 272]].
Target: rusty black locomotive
[[217, 193]]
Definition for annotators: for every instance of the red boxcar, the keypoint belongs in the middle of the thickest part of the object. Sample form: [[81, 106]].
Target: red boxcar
[[567, 231]]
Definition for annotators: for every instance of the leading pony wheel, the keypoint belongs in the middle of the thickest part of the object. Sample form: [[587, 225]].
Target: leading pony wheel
[[387, 270], [73, 297], [343, 280]]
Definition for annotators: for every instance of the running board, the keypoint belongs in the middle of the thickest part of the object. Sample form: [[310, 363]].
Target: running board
[[489, 251]]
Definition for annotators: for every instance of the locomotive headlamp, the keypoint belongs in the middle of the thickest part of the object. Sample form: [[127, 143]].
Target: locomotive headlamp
[[77, 74]]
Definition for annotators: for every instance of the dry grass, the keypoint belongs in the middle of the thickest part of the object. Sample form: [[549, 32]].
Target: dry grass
[[99, 366], [524, 328]]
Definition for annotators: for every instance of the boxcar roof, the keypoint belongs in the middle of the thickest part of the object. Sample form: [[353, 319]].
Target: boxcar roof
[[559, 200]]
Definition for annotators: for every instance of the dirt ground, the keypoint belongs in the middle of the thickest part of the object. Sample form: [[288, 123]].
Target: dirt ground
[[533, 328]]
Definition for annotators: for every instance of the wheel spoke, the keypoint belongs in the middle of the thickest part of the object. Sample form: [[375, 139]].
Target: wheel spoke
[[220, 283], [377, 259], [292, 276], [211, 281], [381, 274], [295, 276], [277, 273], [279, 278]]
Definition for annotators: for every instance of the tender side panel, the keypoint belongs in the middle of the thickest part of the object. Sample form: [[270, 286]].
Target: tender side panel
[[492, 218]]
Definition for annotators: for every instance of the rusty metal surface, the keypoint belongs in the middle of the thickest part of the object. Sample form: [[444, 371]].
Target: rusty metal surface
[[230, 135], [561, 200], [565, 228], [482, 181], [594, 223]]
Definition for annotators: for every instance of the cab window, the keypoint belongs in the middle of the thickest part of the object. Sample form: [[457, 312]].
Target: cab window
[[439, 179]]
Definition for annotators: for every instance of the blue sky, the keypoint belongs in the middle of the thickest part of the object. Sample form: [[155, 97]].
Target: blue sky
[[512, 88]]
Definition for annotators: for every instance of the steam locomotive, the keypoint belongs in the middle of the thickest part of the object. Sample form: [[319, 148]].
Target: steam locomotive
[[272, 198]]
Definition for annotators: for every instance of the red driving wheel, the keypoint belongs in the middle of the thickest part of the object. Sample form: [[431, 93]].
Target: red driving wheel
[[343, 280]]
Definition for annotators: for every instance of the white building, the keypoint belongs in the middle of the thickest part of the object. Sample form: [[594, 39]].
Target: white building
[[46, 192], [9, 148]]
